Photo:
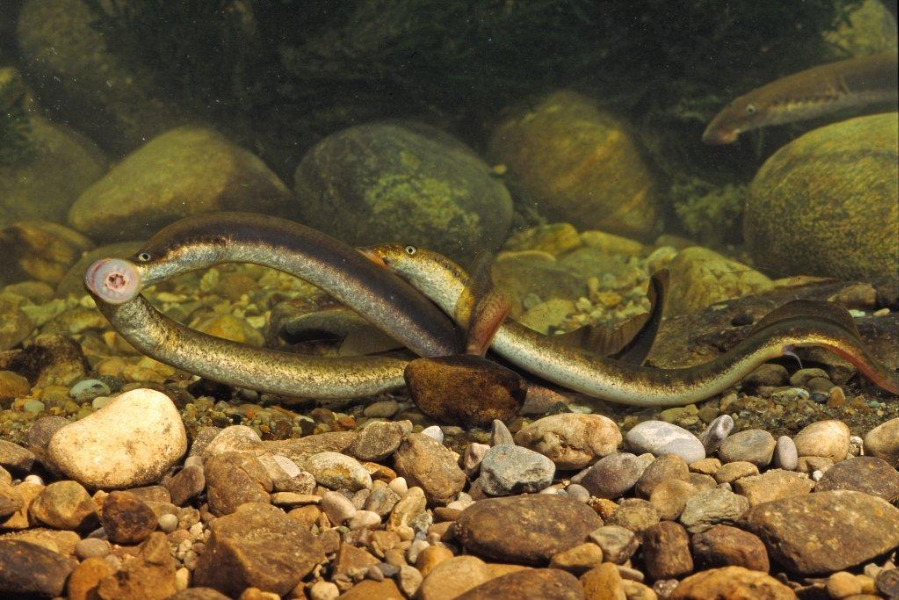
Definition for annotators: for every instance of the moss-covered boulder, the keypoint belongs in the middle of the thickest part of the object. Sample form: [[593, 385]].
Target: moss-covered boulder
[[186, 171], [407, 183], [826, 204], [579, 164]]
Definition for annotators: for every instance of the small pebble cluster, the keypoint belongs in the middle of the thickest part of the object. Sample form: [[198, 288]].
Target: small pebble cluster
[[566, 507]]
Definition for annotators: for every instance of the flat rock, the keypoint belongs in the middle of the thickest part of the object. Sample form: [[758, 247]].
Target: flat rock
[[15, 457], [731, 582], [151, 576], [257, 546], [131, 441], [544, 525], [453, 577], [826, 532], [428, 464], [27, 569], [773, 485], [711, 507], [529, 583], [337, 471], [866, 474], [572, 441]]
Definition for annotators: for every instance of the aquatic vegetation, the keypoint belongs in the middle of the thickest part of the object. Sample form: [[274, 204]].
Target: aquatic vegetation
[[708, 212]]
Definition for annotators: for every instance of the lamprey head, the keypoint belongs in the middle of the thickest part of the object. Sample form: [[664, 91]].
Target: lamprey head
[[388, 256], [113, 280]]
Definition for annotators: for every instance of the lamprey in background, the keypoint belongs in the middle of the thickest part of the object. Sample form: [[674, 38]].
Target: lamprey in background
[[241, 365], [796, 324], [815, 92], [202, 241]]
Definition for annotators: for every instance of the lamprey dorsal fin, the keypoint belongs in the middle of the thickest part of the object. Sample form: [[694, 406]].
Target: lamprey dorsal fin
[[809, 309]]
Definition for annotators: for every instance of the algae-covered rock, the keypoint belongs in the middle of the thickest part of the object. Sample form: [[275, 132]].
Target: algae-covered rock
[[700, 277], [579, 164], [186, 171], [407, 183], [41, 250], [60, 164], [825, 204]]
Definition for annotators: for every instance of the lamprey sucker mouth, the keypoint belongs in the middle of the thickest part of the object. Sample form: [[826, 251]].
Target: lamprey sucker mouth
[[114, 280]]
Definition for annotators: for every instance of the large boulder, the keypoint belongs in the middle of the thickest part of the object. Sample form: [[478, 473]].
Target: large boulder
[[825, 204], [579, 164], [186, 171], [403, 182]]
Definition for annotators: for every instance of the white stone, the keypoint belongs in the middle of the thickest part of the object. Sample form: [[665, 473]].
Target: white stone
[[659, 437], [131, 441]]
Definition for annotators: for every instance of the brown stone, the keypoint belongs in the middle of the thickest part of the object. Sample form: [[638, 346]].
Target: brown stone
[[149, 576], [369, 589], [866, 474], [668, 467], [258, 545], [529, 583], [465, 390], [186, 484], [28, 570], [83, 582], [428, 464], [544, 525], [724, 546], [430, 557], [233, 478], [350, 558], [603, 583], [773, 485], [731, 582], [849, 528], [666, 551], [64, 505], [578, 560], [453, 577], [126, 518]]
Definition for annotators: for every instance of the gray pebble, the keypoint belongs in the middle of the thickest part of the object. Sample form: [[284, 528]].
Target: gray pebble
[[612, 476], [659, 437], [785, 454], [716, 432], [500, 434], [509, 469], [91, 547], [578, 492], [434, 432]]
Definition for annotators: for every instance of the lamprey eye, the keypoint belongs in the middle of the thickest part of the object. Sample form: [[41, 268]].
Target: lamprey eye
[[143, 256], [750, 109], [411, 250]]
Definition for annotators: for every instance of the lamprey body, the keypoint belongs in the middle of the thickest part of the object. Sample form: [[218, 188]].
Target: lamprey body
[[240, 365], [444, 281], [809, 94], [202, 241]]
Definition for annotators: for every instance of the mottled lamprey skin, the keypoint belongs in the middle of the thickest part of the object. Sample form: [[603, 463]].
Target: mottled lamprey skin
[[380, 297], [815, 92], [240, 365], [443, 281]]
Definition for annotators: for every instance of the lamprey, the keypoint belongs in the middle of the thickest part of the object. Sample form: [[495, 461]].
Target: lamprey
[[240, 365], [815, 92], [202, 241], [786, 328]]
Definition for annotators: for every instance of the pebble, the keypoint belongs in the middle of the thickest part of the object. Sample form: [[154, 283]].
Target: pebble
[[338, 471], [868, 474], [64, 505], [571, 441], [618, 544], [829, 439], [883, 442], [131, 441], [752, 445], [711, 507], [724, 545], [426, 463], [88, 389], [509, 469], [659, 437], [168, 522], [91, 547], [612, 476], [379, 440], [786, 456], [127, 519], [338, 507], [716, 432], [234, 478]]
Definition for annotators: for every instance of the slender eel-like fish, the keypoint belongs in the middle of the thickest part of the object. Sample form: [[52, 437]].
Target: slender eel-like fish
[[240, 365], [796, 324], [815, 92], [201, 241]]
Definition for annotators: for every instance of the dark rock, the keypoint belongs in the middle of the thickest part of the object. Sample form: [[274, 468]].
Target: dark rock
[[528, 583], [15, 457], [465, 390], [404, 182], [825, 532], [612, 476], [29, 570], [544, 525], [257, 546], [723, 546], [126, 518], [666, 551], [866, 474], [199, 593]]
